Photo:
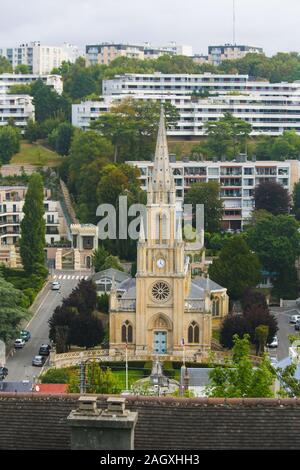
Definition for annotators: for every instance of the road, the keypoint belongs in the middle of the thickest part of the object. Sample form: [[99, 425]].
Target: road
[[19, 365], [285, 328]]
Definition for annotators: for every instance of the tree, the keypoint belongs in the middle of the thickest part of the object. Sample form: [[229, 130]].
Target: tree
[[228, 136], [5, 65], [237, 268], [98, 381], [207, 194], [261, 337], [232, 325], [276, 241], [32, 242], [290, 384], [132, 127], [75, 321], [255, 314], [86, 331], [239, 379], [272, 197], [61, 137], [22, 69], [32, 131], [12, 311], [9, 143], [253, 299], [296, 200], [48, 103]]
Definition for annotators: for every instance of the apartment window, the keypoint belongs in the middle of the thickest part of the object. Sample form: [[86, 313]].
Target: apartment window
[[213, 171], [248, 171]]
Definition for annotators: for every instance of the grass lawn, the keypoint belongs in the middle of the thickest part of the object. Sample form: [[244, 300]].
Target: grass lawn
[[133, 376], [35, 154]]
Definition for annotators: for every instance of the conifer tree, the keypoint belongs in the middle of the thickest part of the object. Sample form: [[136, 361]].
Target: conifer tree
[[32, 240]]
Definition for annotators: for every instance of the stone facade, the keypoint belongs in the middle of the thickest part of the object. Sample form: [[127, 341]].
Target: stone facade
[[163, 311]]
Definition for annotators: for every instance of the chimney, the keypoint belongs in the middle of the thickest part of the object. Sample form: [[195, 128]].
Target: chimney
[[94, 429]]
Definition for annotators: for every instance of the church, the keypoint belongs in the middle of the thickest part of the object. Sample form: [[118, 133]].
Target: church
[[163, 311]]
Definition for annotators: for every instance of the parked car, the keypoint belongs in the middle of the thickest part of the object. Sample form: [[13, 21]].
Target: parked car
[[294, 318], [55, 285], [297, 325], [19, 343], [3, 372], [45, 350], [38, 361], [274, 342], [24, 334]]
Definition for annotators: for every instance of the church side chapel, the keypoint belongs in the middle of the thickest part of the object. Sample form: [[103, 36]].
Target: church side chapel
[[163, 308]]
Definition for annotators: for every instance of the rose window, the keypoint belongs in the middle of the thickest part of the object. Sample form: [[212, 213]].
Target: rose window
[[161, 291]]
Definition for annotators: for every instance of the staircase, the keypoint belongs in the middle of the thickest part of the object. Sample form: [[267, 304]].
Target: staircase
[[67, 259]]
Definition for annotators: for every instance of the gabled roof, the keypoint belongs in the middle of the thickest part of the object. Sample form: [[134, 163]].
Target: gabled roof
[[202, 282], [196, 292], [110, 273], [129, 286]]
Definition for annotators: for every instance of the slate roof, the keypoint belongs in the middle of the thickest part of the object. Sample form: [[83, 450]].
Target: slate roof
[[197, 289], [129, 287], [198, 377], [196, 292], [163, 423], [202, 282]]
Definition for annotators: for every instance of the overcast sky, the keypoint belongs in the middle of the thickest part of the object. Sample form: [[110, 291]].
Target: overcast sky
[[272, 24]]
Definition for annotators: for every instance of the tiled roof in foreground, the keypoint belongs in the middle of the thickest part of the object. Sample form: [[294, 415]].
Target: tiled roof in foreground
[[163, 423]]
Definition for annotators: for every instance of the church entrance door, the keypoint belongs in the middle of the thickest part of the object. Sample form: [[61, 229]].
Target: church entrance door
[[160, 342]]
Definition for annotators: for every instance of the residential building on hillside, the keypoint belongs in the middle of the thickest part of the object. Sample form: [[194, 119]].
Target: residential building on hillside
[[12, 199], [7, 80], [267, 114], [216, 54], [270, 108], [17, 107], [41, 59], [237, 180], [104, 53], [187, 84]]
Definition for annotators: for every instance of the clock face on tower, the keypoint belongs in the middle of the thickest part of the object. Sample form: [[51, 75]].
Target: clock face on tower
[[160, 263]]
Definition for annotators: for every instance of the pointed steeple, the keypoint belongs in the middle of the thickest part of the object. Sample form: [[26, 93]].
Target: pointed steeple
[[162, 179], [142, 237]]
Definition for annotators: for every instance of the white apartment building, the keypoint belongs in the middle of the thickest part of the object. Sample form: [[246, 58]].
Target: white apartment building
[[41, 59], [270, 108], [187, 84], [267, 114], [7, 80], [106, 52], [12, 199], [216, 54], [237, 180], [17, 107]]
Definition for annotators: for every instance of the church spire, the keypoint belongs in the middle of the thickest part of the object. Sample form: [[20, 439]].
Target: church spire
[[162, 179]]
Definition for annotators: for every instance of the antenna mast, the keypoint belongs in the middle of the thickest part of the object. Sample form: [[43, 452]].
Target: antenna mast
[[233, 21]]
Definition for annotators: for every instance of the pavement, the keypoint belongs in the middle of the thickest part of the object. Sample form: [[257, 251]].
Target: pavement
[[19, 364], [285, 328]]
